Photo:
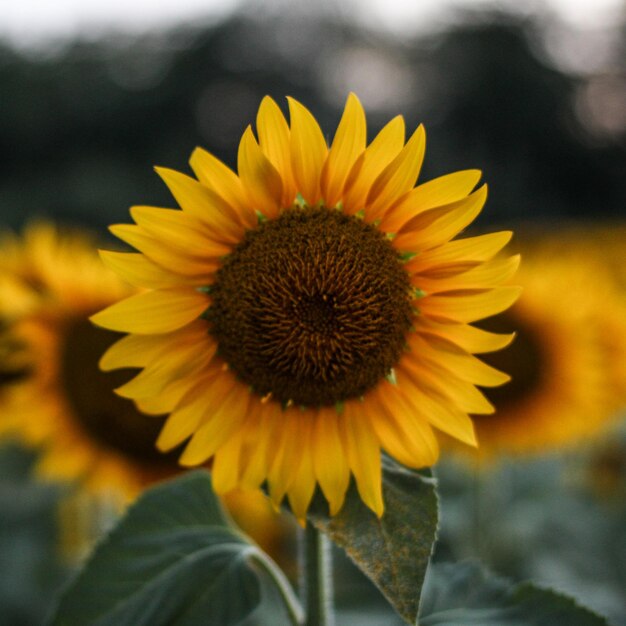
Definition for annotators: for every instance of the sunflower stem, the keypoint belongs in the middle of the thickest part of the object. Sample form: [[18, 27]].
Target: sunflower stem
[[317, 583]]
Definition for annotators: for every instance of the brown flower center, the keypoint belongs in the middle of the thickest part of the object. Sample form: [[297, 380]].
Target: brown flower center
[[112, 421], [312, 307]]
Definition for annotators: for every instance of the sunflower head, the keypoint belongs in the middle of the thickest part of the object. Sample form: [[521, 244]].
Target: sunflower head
[[567, 359], [311, 309], [53, 394]]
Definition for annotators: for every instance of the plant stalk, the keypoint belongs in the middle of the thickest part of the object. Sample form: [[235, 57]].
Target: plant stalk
[[317, 584]]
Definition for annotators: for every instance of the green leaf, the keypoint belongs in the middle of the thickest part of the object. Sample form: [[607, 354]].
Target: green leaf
[[393, 551], [460, 594], [172, 560]]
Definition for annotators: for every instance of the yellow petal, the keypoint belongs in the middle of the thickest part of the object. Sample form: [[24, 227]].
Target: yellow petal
[[274, 140], [329, 458], [261, 426], [162, 255], [308, 151], [375, 415], [437, 226], [385, 147], [153, 312], [469, 338], [222, 423], [442, 413], [259, 176], [179, 230], [184, 361], [168, 399], [226, 462], [468, 397], [439, 382], [221, 179], [363, 450], [139, 271], [287, 456], [303, 486], [397, 178], [204, 204], [349, 142], [489, 274], [471, 249], [465, 366], [435, 193], [140, 350], [406, 436], [131, 351], [468, 306], [190, 411]]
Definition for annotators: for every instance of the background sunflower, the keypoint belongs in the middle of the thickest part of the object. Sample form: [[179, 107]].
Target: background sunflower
[[568, 356], [63, 404]]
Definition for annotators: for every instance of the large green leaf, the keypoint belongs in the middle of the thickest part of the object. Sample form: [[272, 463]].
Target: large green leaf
[[393, 551], [460, 594], [172, 560]]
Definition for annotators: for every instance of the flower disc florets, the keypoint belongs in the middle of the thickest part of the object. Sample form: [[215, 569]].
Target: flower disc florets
[[312, 307]]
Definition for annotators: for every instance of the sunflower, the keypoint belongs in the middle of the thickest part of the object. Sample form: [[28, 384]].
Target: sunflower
[[310, 310], [567, 360], [55, 397]]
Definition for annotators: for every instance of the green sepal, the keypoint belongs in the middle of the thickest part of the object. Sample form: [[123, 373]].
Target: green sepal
[[405, 257]]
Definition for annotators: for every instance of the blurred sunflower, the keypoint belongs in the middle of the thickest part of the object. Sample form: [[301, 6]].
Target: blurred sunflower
[[605, 240], [58, 399], [311, 309], [603, 243], [567, 360]]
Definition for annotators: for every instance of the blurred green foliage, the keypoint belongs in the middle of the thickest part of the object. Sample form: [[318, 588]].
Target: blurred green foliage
[[31, 566], [557, 520]]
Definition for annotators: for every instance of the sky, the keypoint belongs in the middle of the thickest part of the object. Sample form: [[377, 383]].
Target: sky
[[35, 22]]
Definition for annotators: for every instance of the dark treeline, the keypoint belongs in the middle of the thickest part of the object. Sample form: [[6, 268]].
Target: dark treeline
[[80, 131]]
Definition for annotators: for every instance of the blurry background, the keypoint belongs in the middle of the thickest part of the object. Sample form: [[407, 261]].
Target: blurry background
[[92, 95]]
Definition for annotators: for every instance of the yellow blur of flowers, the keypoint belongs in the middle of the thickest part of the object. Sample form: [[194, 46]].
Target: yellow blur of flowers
[[311, 309], [50, 282], [568, 361]]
